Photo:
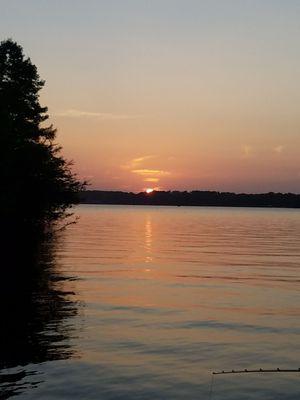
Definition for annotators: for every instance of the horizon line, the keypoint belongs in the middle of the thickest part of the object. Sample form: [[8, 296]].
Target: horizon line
[[188, 191]]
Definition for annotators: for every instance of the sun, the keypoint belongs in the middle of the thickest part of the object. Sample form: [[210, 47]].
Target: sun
[[149, 190]]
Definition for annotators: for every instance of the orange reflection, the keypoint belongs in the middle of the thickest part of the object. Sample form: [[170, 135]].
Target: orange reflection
[[148, 240]]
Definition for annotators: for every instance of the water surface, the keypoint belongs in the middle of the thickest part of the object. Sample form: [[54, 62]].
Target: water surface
[[148, 301]]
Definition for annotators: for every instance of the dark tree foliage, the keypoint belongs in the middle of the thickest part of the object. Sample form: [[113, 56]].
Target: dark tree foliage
[[37, 185]]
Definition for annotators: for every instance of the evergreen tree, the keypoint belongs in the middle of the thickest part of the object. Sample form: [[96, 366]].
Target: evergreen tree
[[37, 184]]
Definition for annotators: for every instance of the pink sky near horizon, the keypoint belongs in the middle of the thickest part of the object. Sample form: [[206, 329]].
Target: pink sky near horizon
[[175, 95]]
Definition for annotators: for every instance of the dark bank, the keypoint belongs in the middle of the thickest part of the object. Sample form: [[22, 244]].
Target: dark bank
[[192, 198]]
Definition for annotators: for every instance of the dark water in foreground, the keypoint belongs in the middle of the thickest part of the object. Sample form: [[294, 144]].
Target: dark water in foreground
[[145, 302]]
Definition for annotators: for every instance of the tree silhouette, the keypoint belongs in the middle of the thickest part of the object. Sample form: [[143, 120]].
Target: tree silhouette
[[37, 184], [37, 307]]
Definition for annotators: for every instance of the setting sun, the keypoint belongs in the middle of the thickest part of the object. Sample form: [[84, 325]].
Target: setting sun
[[174, 174]]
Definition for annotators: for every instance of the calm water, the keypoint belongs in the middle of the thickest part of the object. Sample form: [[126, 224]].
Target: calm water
[[145, 302]]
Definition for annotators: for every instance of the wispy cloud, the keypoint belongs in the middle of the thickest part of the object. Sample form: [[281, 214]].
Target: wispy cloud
[[247, 151], [141, 159], [147, 172], [72, 113], [278, 149], [149, 175], [135, 162], [153, 180]]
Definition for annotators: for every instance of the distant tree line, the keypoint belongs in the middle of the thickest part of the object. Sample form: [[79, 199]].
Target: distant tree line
[[192, 198]]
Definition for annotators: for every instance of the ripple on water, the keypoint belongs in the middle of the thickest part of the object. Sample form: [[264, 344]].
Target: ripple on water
[[162, 297]]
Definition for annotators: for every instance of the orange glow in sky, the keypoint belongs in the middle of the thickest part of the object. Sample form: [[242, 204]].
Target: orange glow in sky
[[217, 111]]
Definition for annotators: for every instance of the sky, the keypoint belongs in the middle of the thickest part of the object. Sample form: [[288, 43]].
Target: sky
[[169, 94]]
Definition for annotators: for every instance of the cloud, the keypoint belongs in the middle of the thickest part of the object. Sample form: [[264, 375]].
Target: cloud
[[72, 113], [141, 159], [247, 151], [135, 162], [154, 180], [147, 172], [278, 149]]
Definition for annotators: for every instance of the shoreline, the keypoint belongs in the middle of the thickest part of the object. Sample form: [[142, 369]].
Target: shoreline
[[192, 199]]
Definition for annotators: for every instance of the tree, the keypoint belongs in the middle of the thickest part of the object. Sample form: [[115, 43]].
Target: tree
[[37, 184]]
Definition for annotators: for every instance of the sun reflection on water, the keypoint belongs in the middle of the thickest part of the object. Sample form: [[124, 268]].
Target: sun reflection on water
[[148, 240]]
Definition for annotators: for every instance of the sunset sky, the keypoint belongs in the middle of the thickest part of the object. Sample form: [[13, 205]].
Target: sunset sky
[[169, 94]]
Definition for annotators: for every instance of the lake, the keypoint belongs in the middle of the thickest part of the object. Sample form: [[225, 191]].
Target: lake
[[146, 302]]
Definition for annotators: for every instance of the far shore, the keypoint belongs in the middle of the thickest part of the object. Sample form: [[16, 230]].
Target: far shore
[[192, 198]]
